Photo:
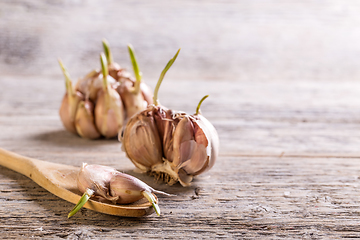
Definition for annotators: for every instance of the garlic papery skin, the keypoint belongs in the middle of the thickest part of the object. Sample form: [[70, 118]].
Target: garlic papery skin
[[92, 83], [212, 136], [85, 122], [112, 185], [109, 110], [96, 178], [141, 140]]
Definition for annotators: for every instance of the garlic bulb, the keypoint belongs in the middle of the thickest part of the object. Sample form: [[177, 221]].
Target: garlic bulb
[[172, 145], [117, 187], [105, 98]]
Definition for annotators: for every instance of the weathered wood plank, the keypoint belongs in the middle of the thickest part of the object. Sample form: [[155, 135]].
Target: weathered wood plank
[[275, 176], [278, 197]]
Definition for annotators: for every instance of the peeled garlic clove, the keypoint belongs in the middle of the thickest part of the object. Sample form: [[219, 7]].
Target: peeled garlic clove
[[84, 120], [109, 113], [141, 140]]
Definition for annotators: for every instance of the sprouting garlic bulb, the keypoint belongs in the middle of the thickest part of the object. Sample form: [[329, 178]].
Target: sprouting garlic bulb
[[112, 185], [174, 146], [103, 100]]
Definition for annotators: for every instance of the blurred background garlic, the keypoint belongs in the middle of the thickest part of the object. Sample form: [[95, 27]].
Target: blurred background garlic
[[174, 146], [101, 102]]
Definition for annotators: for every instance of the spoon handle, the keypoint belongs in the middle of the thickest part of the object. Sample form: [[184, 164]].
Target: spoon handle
[[17, 162]]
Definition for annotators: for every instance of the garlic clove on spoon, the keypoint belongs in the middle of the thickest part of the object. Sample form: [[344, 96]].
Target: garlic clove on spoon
[[108, 183]]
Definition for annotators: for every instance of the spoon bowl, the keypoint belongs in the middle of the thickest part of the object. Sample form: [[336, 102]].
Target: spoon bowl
[[61, 180]]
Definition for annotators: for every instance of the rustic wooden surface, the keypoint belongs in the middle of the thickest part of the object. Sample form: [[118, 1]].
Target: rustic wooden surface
[[288, 166], [284, 97]]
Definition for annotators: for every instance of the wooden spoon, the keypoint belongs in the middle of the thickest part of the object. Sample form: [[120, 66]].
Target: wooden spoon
[[60, 180]]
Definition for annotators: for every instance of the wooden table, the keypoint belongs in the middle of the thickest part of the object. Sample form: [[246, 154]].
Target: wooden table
[[288, 165], [284, 96]]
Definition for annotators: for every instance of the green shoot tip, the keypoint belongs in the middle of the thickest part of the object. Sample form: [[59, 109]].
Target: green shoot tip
[[199, 104], [85, 197]]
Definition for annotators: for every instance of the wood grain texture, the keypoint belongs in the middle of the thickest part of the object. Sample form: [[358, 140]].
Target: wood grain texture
[[288, 166], [284, 97]]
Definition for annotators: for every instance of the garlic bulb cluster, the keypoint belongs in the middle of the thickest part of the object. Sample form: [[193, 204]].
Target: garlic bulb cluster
[[174, 146], [117, 187], [100, 103]]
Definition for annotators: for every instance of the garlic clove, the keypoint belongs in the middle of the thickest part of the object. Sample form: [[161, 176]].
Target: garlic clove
[[114, 68], [68, 110], [127, 188], [84, 120], [69, 103], [92, 83], [107, 182], [109, 110], [131, 91], [96, 178], [141, 141], [146, 93], [212, 135], [133, 102], [190, 146], [109, 113], [183, 137]]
